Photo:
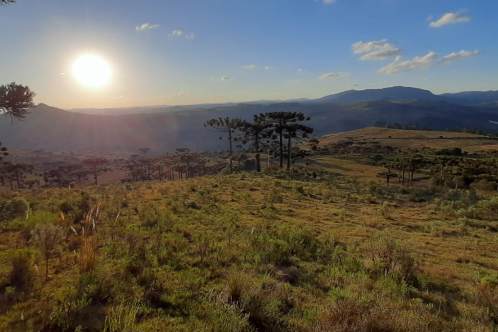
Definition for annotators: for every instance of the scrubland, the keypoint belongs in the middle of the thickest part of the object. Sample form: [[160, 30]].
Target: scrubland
[[249, 252]]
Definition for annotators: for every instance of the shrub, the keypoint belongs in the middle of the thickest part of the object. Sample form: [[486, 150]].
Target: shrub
[[48, 239], [12, 209], [390, 258], [22, 274]]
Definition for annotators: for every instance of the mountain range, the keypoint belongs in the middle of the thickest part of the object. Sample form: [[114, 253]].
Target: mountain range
[[164, 128]]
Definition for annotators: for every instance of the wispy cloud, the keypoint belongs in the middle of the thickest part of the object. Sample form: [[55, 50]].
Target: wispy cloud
[[147, 26], [300, 70], [327, 2], [416, 63], [176, 33], [354, 85], [332, 75], [225, 78], [451, 18], [379, 83], [269, 68], [375, 50], [176, 95], [249, 66], [190, 35], [462, 55]]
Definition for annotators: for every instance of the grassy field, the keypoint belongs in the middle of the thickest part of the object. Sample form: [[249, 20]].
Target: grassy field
[[398, 138], [252, 252]]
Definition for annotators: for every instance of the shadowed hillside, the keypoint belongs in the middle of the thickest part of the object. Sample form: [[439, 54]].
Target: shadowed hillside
[[55, 129]]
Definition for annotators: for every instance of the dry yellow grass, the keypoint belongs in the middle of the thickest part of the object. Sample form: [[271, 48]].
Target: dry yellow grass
[[415, 139]]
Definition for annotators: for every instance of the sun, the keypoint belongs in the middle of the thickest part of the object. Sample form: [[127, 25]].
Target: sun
[[92, 71]]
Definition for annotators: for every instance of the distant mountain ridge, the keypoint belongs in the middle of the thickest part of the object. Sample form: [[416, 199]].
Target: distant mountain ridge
[[55, 129], [347, 97]]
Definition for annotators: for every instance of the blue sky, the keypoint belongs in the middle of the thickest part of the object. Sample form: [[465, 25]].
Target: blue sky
[[169, 52]]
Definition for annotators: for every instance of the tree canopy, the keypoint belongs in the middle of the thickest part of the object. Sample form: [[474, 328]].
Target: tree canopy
[[15, 100]]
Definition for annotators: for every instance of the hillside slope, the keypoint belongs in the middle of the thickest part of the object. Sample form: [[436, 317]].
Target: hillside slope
[[55, 129]]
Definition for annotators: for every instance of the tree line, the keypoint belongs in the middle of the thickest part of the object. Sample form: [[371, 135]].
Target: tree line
[[282, 134]]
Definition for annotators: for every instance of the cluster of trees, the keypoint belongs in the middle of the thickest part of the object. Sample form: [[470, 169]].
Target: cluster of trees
[[383, 124], [281, 133], [183, 163], [447, 167]]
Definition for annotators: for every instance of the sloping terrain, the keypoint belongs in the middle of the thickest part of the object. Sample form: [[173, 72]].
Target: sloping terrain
[[251, 253], [58, 130], [416, 139]]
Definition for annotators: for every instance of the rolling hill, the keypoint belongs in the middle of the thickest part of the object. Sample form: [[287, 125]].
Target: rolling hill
[[166, 128]]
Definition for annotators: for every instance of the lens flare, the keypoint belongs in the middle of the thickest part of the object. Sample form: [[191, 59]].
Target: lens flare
[[91, 71]]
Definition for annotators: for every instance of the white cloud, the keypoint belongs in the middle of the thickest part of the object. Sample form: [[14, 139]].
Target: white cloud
[[190, 35], [269, 68], [328, 1], [354, 85], [147, 26], [375, 50], [416, 63], [249, 66], [451, 18], [462, 55], [176, 33], [225, 78], [300, 70], [332, 75]]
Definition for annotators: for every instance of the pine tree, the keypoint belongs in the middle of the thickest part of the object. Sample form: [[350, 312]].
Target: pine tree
[[254, 134], [228, 126], [279, 122]]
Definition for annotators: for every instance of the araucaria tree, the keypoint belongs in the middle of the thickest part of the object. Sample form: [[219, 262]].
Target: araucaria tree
[[96, 166], [15, 100], [15, 173], [298, 133], [280, 122], [228, 126], [255, 134]]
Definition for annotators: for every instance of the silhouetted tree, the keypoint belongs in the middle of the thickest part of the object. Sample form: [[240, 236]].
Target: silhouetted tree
[[15, 100], [15, 173], [295, 132], [96, 166], [225, 125], [279, 121], [64, 175], [254, 134]]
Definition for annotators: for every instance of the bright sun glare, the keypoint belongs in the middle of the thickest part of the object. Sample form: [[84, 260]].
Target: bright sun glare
[[92, 71]]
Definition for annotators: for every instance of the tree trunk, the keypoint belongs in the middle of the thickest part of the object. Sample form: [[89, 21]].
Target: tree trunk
[[281, 144], [18, 180], [258, 159], [231, 150], [289, 157]]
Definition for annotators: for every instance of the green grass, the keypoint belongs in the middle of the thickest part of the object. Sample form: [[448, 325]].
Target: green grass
[[253, 252]]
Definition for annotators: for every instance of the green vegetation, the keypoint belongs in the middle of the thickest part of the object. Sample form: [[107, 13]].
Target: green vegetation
[[269, 252]]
